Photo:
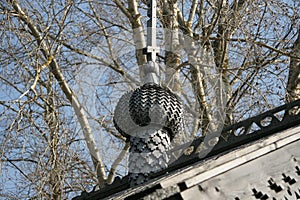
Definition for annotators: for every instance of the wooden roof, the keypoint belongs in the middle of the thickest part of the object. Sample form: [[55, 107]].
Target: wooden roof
[[261, 163]]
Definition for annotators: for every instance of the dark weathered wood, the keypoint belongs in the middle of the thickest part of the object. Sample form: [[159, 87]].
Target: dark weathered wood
[[262, 150], [216, 163], [273, 175]]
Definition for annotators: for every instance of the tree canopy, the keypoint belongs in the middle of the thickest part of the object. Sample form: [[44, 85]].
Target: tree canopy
[[64, 65]]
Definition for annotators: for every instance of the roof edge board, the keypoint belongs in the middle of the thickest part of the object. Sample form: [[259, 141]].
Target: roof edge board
[[218, 160], [261, 151]]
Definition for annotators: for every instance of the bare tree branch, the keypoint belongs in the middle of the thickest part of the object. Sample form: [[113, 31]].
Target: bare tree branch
[[94, 152], [114, 166], [293, 84]]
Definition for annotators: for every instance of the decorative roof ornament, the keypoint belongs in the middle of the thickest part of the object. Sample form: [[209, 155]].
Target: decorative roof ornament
[[150, 116]]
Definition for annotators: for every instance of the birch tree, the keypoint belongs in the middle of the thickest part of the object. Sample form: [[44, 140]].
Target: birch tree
[[293, 84], [65, 64]]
